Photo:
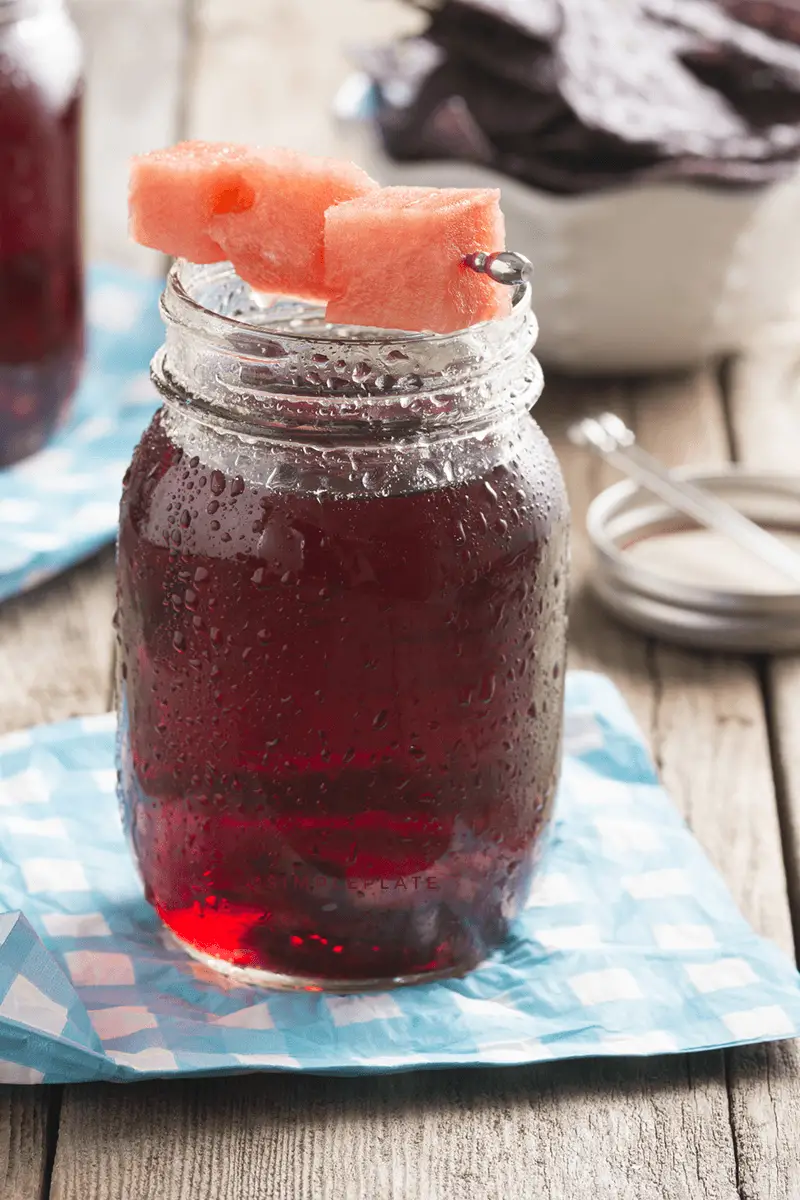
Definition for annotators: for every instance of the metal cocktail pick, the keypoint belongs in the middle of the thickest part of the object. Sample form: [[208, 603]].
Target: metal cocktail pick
[[610, 438], [504, 266]]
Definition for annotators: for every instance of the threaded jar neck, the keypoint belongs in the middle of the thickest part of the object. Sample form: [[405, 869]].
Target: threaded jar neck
[[273, 364]]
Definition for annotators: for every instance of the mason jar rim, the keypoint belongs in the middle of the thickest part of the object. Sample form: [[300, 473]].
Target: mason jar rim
[[179, 303], [296, 374]]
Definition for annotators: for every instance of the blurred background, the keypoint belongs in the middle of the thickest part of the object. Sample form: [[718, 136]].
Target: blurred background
[[646, 149], [264, 71], [647, 152]]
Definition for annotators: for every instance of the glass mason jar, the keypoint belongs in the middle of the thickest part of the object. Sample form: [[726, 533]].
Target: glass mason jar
[[41, 312], [341, 620]]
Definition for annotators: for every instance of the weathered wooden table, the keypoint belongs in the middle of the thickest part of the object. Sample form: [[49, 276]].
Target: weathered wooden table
[[717, 1125]]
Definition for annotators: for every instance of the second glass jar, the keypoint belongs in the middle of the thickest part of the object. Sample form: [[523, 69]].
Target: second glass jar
[[342, 593], [41, 275]]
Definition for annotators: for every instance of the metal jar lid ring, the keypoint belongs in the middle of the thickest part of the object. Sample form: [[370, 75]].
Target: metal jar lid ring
[[679, 607]]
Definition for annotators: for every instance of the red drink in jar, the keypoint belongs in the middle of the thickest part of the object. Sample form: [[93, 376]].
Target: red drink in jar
[[342, 629], [41, 317]]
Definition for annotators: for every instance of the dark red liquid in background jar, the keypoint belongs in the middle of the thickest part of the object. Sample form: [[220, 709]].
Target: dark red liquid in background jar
[[41, 318], [340, 739]]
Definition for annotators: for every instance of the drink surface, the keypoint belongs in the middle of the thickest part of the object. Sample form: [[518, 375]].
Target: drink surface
[[41, 319], [341, 715]]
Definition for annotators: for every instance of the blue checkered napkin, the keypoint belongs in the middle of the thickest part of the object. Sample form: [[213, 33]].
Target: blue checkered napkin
[[61, 505], [630, 943]]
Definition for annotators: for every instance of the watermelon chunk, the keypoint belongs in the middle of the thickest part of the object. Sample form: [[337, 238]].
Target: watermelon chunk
[[174, 193], [394, 259], [277, 245], [264, 209]]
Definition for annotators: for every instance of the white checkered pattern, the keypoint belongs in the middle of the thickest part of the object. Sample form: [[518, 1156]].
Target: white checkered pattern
[[629, 945], [27, 1005], [601, 987], [61, 505], [724, 973], [684, 937]]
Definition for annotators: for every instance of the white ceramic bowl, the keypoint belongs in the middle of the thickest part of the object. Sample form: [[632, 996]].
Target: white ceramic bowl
[[644, 278]]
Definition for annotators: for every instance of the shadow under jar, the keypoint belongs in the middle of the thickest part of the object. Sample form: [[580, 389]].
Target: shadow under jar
[[341, 620], [41, 278]]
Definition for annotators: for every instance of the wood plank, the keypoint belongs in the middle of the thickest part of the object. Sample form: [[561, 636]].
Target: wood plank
[[704, 715], [56, 647], [703, 712], [26, 1115], [569, 1131], [56, 642], [135, 64], [711, 744], [764, 411], [765, 419], [266, 71], [55, 662]]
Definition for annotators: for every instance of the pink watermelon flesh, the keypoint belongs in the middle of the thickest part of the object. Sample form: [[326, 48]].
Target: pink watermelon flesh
[[293, 224], [277, 245], [394, 259], [262, 209], [174, 194]]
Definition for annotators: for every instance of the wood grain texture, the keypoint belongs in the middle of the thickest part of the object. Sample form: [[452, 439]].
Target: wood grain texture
[[267, 71], [764, 399], [56, 647], [25, 1117], [573, 1130], [55, 662], [135, 65], [765, 419], [710, 740], [56, 642], [705, 718], [704, 712]]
